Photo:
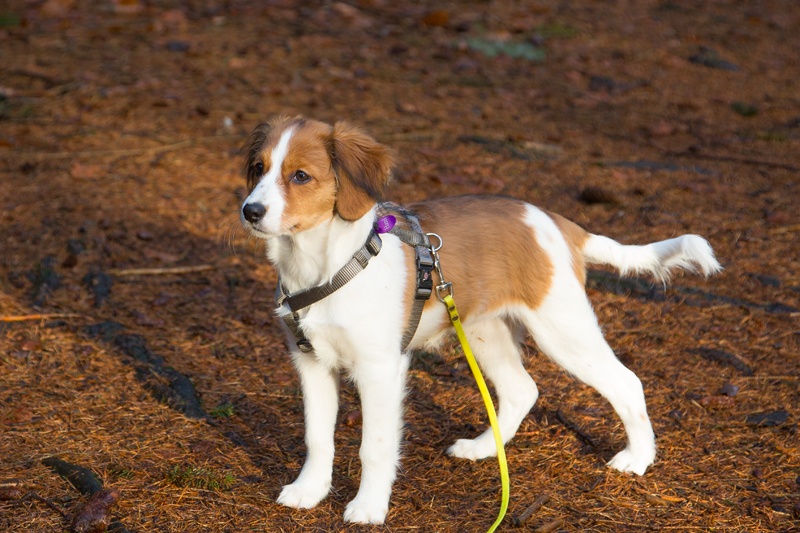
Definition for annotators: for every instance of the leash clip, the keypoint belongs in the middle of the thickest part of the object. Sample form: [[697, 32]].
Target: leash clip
[[444, 288]]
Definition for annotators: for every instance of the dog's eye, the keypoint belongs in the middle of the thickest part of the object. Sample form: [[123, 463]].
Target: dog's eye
[[259, 168], [300, 177]]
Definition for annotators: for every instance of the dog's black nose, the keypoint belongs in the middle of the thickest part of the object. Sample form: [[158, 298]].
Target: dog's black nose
[[254, 212]]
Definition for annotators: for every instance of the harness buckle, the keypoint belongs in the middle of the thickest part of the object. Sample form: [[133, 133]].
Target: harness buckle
[[425, 267], [305, 346]]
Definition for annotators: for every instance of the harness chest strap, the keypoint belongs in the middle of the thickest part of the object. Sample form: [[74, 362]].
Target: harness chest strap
[[424, 283]]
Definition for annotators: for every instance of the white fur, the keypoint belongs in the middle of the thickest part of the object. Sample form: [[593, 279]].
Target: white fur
[[688, 252], [269, 190], [358, 330]]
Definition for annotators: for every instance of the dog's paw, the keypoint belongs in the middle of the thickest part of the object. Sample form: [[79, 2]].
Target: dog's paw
[[625, 461], [303, 495], [474, 449], [366, 511]]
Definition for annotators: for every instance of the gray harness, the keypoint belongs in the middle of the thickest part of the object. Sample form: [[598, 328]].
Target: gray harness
[[422, 292]]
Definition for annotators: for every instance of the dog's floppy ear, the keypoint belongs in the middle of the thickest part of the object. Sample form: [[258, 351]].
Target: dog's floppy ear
[[363, 169]]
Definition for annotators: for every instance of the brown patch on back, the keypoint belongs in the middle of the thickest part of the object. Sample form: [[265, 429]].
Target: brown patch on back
[[363, 167], [490, 255], [576, 237]]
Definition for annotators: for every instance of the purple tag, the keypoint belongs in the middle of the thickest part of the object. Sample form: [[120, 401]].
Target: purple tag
[[386, 223]]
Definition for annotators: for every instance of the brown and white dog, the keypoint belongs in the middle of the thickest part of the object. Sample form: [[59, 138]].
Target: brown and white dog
[[515, 269]]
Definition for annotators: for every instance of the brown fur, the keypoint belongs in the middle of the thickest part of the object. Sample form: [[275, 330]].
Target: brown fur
[[349, 169], [576, 237], [489, 255], [363, 167], [258, 146], [311, 203]]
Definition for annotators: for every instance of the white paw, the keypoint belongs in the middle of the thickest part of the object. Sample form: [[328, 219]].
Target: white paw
[[366, 510], [474, 449], [303, 495], [625, 461]]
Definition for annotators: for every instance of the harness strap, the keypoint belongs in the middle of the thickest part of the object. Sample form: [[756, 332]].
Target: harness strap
[[359, 262], [302, 299], [425, 264], [422, 291]]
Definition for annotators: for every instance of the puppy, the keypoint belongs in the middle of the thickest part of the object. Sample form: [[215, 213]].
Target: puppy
[[515, 269]]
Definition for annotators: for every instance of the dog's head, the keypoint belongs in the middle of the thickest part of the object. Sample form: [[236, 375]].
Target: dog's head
[[301, 173]]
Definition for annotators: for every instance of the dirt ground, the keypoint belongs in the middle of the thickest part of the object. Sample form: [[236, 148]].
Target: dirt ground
[[120, 129]]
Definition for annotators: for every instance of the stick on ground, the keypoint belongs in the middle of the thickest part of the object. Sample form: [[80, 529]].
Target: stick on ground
[[160, 271], [541, 500], [22, 318]]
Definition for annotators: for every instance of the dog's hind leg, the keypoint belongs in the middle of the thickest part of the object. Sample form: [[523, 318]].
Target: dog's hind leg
[[566, 329], [497, 352], [321, 401]]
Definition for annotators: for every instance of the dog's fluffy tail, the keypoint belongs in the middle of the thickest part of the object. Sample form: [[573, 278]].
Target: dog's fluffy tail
[[688, 252]]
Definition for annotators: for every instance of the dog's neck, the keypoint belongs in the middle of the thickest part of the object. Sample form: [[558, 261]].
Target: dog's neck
[[312, 257]]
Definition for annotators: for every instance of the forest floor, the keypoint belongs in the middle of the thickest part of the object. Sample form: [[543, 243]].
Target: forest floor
[[120, 128]]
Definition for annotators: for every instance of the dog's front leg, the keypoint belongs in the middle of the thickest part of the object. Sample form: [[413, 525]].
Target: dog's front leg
[[381, 385], [321, 401]]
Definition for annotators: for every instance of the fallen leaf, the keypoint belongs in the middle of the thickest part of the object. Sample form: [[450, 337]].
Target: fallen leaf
[[451, 179], [662, 129], [352, 15], [57, 8], [493, 184], [94, 517], [598, 195], [87, 172], [171, 20], [127, 7], [717, 402], [238, 62], [352, 418], [437, 18], [30, 345], [10, 493]]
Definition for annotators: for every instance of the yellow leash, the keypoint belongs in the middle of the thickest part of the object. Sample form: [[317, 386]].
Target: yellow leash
[[476, 372]]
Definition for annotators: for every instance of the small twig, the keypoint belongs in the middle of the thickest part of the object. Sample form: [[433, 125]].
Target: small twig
[[35, 75], [22, 318], [159, 271], [743, 160], [569, 425], [126, 152], [550, 526], [783, 229], [541, 500], [45, 501], [768, 377]]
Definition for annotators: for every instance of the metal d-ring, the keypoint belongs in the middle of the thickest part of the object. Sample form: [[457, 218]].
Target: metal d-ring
[[435, 249]]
